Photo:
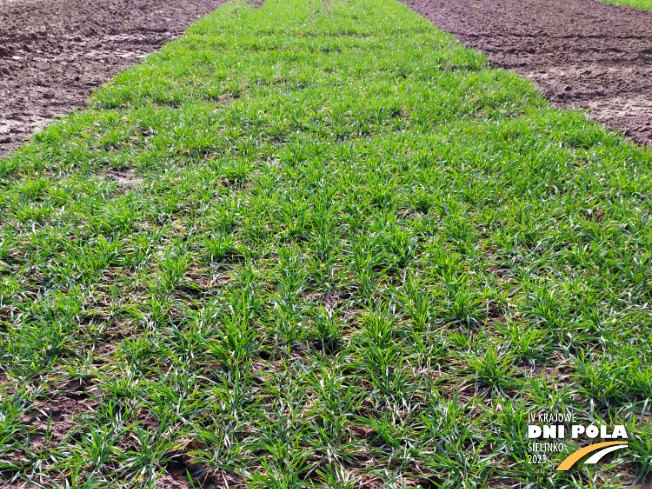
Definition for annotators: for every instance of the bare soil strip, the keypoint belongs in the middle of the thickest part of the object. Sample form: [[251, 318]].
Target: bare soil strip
[[53, 53], [580, 53]]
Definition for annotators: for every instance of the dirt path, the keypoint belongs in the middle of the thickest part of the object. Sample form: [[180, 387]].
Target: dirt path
[[53, 53], [581, 53]]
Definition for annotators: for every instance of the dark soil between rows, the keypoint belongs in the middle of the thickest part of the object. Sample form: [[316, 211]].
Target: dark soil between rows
[[580, 53], [53, 53]]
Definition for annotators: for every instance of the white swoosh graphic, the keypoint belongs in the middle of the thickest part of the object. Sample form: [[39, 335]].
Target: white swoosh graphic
[[595, 458]]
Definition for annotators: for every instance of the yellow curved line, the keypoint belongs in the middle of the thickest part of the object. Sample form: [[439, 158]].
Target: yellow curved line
[[575, 456]]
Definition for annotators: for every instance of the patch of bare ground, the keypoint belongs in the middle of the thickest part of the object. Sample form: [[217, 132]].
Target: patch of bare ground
[[53, 53], [176, 477], [60, 411], [580, 53], [124, 177]]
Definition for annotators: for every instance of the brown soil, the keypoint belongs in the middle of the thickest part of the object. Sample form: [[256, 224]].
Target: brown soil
[[53, 53], [580, 53], [176, 477]]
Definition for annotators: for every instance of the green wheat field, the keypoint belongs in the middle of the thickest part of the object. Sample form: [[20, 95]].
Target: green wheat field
[[321, 244]]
